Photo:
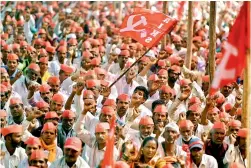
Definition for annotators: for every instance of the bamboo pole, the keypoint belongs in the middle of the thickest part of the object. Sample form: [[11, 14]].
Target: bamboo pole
[[212, 40], [165, 11], [190, 35], [147, 5], [120, 11]]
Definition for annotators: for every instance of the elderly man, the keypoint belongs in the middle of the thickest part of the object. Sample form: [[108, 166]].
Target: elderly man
[[39, 159], [11, 151], [160, 118], [233, 127], [186, 129], [72, 155]]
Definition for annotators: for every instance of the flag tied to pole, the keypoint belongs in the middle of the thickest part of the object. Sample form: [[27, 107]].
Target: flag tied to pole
[[146, 26], [234, 50], [108, 161]]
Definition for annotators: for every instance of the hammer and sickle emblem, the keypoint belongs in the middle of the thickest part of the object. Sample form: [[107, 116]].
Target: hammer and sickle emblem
[[130, 25]]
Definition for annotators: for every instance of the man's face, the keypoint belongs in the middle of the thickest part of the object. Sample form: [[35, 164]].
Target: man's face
[[132, 73], [39, 162], [170, 136], [67, 123], [205, 86], [30, 148], [71, 155], [16, 110], [90, 105], [105, 117], [12, 65], [233, 130], [16, 139], [142, 65], [5, 78], [196, 154], [122, 60], [213, 116], [159, 117], [226, 90], [63, 76], [61, 56], [146, 130], [218, 136], [194, 116], [49, 136], [3, 121], [95, 90], [186, 133], [138, 97], [164, 96], [101, 136], [56, 106], [122, 107], [162, 78], [4, 98], [177, 44], [46, 96], [33, 75], [54, 87], [194, 64], [173, 76]]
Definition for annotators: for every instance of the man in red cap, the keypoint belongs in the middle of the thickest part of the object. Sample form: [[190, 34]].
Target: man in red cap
[[54, 67], [123, 102], [237, 151], [44, 73], [17, 111], [166, 95], [39, 158], [54, 83], [3, 118], [233, 127], [173, 76], [65, 129], [186, 129], [12, 153], [227, 92], [72, 155], [160, 118], [4, 75], [57, 103], [116, 68]]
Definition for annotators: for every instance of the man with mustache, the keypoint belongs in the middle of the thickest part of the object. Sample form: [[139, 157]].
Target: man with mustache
[[17, 111], [123, 101], [39, 159], [186, 129], [11, 152], [43, 94]]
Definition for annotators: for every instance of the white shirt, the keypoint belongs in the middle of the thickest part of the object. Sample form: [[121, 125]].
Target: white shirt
[[207, 162], [203, 128], [62, 164], [178, 151], [12, 161], [233, 154], [123, 87], [137, 139]]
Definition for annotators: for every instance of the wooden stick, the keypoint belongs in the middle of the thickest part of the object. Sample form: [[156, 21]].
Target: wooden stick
[[212, 40], [147, 5], [129, 68], [190, 35], [165, 11]]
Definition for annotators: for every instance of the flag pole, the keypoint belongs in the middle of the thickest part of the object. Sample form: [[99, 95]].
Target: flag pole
[[147, 5], [190, 35], [165, 11], [129, 68], [212, 40]]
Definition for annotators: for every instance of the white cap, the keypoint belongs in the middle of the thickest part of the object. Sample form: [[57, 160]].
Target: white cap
[[172, 126], [150, 53], [116, 51], [68, 10]]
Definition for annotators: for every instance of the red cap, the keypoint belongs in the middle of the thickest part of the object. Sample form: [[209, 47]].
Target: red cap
[[95, 42], [62, 49], [12, 57], [162, 72], [15, 100], [239, 111], [58, 98], [166, 89], [44, 88], [107, 110], [49, 126], [185, 123], [236, 165], [53, 79], [87, 92], [160, 109], [219, 125], [176, 38], [3, 113], [243, 133], [39, 41], [87, 54], [86, 44], [100, 71], [68, 114], [3, 70], [124, 47], [31, 49], [15, 46], [234, 123], [228, 106], [66, 68], [175, 68], [194, 100], [123, 97], [33, 141], [169, 49], [185, 82], [205, 78], [223, 115], [79, 29], [221, 98], [20, 23], [72, 41], [34, 67], [51, 114], [162, 63], [125, 53], [38, 154], [73, 143], [145, 59], [41, 31], [110, 102], [50, 49], [23, 43], [92, 83], [174, 60], [153, 77], [12, 129], [44, 60], [96, 61], [102, 127], [197, 38], [213, 110], [146, 120], [42, 104], [104, 83]]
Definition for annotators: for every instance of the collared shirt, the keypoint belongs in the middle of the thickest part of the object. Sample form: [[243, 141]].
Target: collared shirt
[[62, 135], [14, 74], [24, 163], [218, 152], [233, 154], [206, 162], [178, 150], [12, 161], [12, 122], [62, 164]]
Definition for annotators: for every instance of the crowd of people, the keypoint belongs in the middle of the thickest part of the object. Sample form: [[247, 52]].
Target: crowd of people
[[58, 60]]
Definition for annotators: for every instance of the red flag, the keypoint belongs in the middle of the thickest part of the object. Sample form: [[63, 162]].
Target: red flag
[[234, 50], [108, 161], [181, 9], [146, 26]]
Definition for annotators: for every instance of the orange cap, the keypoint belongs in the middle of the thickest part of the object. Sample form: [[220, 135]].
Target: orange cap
[[175, 68], [53, 79], [3, 113], [234, 123], [146, 120], [123, 97], [174, 60], [185, 82], [43, 52], [39, 41], [160, 109], [23, 43], [87, 93], [92, 83], [38, 154], [68, 114], [44, 60], [219, 125], [195, 108], [110, 102], [42, 104], [243, 132], [62, 49], [33, 141], [66, 68], [34, 67], [12, 129], [72, 41], [102, 127], [161, 63], [58, 98], [31, 49], [49, 126], [162, 72], [15, 46], [86, 54], [166, 89], [239, 111], [185, 123], [50, 49], [228, 106], [125, 53], [153, 77], [12, 57], [96, 61], [73, 143], [205, 78], [213, 110], [44, 88], [15, 100], [50, 115], [107, 110]]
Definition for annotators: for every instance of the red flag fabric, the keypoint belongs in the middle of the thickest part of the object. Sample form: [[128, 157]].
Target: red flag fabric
[[108, 161], [181, 9], [146, 26], [234, 50]]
